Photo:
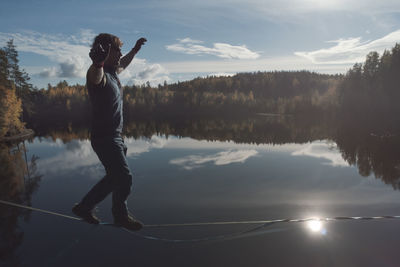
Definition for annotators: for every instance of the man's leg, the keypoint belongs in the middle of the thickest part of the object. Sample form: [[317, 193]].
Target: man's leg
[[122, 185], [98, 193], [122, 189], [109, 152], [112, 153]]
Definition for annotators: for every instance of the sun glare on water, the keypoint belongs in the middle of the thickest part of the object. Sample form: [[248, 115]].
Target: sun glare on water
[[314, 225]]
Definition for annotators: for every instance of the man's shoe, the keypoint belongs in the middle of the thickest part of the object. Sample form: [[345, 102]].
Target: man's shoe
[[85, 214], [128, 223]]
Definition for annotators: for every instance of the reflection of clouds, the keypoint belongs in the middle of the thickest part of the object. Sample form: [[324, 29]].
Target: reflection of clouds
[[77, 154], [221, 158], [56, 143], [139, 146], [80, 155], [322, 150]]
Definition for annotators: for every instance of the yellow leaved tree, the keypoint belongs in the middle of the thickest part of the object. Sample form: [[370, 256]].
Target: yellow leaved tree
[[10, 112]]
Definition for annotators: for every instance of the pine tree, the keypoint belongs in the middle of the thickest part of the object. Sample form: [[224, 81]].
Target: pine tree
[[4, 73], [18, 78]]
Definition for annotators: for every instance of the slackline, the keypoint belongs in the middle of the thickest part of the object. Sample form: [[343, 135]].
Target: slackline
[[248, 232]]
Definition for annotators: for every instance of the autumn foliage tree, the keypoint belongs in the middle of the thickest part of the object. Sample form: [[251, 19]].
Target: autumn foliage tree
[[10, 105], [10, 112]]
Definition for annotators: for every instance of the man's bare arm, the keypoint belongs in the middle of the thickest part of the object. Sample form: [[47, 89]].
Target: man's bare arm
[[127, 59], [95, 74], [98, 55]]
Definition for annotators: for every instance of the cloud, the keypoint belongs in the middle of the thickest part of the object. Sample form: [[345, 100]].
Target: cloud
[[222, 50], [221, 158], [190, 41], [323, 150], [350, 50], [154, 73], [71, 55], [67, 69], [70, 52], [49, 72]]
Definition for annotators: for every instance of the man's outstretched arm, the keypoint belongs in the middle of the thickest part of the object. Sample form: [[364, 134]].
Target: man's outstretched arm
[[127, 59]]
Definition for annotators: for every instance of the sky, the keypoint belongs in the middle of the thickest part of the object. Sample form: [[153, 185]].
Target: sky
[[198, 38]]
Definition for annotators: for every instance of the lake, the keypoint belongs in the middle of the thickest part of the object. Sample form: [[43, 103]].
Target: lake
[[208, 172]]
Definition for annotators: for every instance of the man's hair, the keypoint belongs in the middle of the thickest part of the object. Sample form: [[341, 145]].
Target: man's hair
[[105, 39]]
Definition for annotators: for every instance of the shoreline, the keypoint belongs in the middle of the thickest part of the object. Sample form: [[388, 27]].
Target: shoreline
[[26, 133]]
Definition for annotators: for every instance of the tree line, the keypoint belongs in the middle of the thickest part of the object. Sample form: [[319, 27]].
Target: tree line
[[370, 91], [367, 90], [240, 95]]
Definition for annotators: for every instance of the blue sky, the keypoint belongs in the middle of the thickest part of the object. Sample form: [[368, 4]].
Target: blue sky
[[187, 39]]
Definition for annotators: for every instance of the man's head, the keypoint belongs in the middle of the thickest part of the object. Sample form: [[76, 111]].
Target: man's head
[[106, 40]]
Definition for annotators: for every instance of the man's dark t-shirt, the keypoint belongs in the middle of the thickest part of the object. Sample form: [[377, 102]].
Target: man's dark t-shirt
[[106, 100]]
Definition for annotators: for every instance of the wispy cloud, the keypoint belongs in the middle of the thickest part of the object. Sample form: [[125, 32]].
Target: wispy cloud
[[294, 7], [322, 150], [222, 50], [221, 158], [293, 11], [262, 64], [188, 40], [350, 50]]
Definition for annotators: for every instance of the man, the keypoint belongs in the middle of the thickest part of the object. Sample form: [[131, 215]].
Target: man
[[105, 94]]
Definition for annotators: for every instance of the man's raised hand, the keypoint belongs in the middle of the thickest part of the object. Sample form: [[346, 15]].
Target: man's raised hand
[[139, 44], [99, 54]]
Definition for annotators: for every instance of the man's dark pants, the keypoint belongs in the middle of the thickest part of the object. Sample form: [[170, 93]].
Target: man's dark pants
[[118, 180]]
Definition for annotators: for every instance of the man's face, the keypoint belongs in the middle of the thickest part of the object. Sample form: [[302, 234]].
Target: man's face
[[114, 57]]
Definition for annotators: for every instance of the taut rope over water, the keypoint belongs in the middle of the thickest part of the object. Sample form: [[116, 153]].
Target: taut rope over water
[[261, 224]]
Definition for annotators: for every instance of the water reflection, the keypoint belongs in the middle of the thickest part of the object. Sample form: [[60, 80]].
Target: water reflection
[[372, 153], [351, 143], [19, 179], [323, 150], [247, 169], [314, 225], [221, 158], [317, 226]]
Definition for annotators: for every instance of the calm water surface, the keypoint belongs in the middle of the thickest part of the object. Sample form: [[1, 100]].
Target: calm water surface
[[184, 180]]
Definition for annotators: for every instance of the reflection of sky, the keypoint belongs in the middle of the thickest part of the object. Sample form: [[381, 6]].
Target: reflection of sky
[[276, 174], [220, 158], [322, 150], [77, 154]]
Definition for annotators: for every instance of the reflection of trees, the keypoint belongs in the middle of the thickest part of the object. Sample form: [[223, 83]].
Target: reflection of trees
[[372, 151], [368, 135], [257, 129], [18, 181]]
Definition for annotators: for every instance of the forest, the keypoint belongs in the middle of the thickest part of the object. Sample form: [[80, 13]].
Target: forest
[[368, 90]]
